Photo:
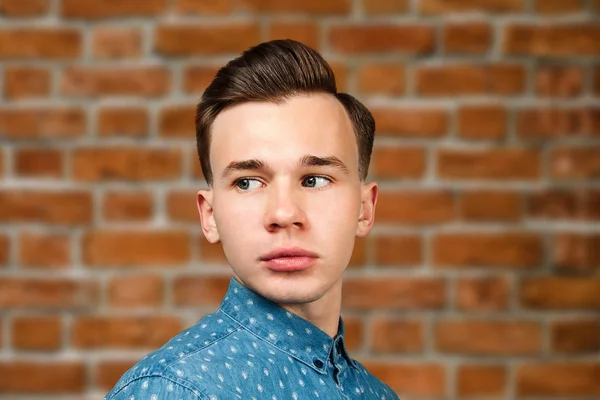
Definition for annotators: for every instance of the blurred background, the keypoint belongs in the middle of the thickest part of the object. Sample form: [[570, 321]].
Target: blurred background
[[482, 276]]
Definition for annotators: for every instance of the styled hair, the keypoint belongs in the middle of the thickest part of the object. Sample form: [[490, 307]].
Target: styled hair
[[273, 72]]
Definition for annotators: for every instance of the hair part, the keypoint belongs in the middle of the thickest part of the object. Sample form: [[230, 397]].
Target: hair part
[[273, 72]]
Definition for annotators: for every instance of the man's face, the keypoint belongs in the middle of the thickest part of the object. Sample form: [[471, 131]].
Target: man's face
[[287, 201]]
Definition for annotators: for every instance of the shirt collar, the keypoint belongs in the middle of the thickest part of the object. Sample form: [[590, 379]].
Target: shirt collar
[[290, 333]]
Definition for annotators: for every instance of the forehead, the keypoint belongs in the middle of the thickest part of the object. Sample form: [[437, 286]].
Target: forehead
[[315, 124]]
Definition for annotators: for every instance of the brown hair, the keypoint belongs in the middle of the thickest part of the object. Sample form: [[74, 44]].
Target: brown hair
[[273, 72]]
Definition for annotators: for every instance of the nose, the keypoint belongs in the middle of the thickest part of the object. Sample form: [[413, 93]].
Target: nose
[[284, 209]]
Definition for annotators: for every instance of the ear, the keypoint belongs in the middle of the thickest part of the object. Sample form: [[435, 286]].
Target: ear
[[207, 217], [369, 193]]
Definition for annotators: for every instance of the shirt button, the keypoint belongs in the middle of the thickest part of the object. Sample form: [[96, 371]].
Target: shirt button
[[318, 363]]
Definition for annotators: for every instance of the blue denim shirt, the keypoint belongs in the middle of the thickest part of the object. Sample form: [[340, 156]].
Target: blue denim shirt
[[250, 349]]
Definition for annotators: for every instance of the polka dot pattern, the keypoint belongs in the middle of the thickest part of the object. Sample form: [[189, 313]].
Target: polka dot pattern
[[250, 349]]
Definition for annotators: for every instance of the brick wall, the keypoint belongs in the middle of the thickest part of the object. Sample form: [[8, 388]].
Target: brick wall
[[482, 276]]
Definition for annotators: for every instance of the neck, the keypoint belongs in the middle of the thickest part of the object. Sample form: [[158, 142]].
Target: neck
[[324, 313]]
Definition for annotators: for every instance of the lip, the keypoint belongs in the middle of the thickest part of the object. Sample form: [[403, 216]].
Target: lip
[[289, 259]]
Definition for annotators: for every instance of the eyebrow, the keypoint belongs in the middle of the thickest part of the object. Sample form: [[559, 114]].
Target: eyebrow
[[305, 161]]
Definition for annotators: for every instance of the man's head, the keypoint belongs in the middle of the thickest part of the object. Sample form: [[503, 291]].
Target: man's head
[[285, 157]]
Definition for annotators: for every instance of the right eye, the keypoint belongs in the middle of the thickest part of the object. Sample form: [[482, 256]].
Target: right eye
[[246, 184]]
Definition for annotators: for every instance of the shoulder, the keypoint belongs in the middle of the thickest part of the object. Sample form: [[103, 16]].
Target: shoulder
[[154, 388], [166, 369], [382, 390]]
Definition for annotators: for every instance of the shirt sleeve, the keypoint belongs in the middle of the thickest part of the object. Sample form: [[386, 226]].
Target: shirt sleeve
[[154, 388]]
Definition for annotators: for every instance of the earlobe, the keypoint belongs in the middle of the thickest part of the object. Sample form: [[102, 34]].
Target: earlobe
[[366, 219], [206, 214]]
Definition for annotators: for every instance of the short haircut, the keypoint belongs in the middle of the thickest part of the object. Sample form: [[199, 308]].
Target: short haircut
[[273, 72]]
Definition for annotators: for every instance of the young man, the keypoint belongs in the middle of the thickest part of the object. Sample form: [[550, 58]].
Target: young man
[[285, 157]]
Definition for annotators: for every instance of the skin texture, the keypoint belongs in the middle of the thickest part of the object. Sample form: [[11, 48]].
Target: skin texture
[[255, 208]]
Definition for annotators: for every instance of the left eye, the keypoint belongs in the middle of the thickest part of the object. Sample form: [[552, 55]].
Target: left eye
[[315, 181]]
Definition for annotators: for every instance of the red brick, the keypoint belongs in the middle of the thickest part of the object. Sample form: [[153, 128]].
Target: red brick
[[304, 32], [488, 337], [181, 206], [122, 81], [467, 37], [125, 248], [559, 40], [195, 80], [397, 336], [381, 38], [559, 81], [204, 7], [126, 163], [481, 380], [292, 6], [394, 293], [194, 291], [398, 250], [42, 377], [497, 164], [38, 123], [504, 249], [490, 205], [384, 7], [36, 333], [44, 250], [211, 253], [575, 163], [597, 75], [108, 372], [34, 43], [123, 121], [576, 336], [558, 379], [131, 291], [44, 293], [20, 8], [546, 123], [340, 70], [182, 40], [354, 333], [26, 82], [482, 122], [54, 208], [116, 43], [127, 206], [489, 6], [562, 293], [576, 252], [415, 207], [4, 251], [466, 79], [557, 6], [425, 123], [178, 121], [98, 332], [97, 9], [399, 162], [425, 380], [39, 162], [555, 204], [369, 79], [482, 293]]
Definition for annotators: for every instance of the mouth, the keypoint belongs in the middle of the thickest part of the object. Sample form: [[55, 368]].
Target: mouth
[[288, 259]]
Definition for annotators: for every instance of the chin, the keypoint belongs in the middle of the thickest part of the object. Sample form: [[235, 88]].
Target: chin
[[287, 289]]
